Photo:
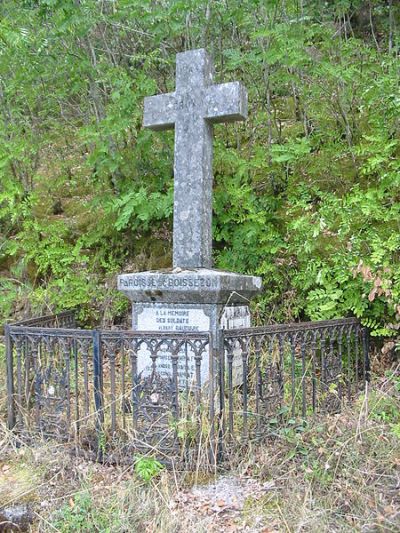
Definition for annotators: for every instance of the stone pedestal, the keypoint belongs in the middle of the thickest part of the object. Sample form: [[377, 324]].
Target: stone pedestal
[[189, 286], [183, 300]]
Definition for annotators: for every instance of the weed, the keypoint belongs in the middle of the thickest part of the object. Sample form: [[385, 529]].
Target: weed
[[147, 468], [75, 515], [384, 408], [102, 443], [316, 472], [395, 429]]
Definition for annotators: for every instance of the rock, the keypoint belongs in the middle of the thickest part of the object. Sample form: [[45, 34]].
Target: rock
[[15, 518]]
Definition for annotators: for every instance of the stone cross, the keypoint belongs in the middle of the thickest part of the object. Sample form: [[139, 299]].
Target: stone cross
[[192, 109]]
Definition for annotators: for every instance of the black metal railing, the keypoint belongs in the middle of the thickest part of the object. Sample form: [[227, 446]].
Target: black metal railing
[[174, 392], [67, 383], [66, 319], [295, 369]]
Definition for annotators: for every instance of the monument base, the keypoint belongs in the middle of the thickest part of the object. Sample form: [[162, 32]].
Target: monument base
[[188, 301], [185, 318], [200, 285]]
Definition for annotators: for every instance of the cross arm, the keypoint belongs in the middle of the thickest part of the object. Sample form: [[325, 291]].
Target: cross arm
[[159, 111], [226, 102]]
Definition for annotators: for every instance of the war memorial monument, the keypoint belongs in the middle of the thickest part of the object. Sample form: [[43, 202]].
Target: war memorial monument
[[192, 296]]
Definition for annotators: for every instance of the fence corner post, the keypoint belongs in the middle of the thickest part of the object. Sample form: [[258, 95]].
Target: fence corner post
[[211, 399], [10, 379]]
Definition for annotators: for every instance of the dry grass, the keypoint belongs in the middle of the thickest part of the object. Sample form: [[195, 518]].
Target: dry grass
[[336, 473], [342, 473]]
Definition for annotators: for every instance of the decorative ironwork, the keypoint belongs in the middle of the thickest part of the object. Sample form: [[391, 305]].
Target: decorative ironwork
[[297, 369], [61, 320], [66, 382]]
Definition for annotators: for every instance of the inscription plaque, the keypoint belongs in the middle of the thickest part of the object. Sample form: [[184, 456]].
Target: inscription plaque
[[165, 282], [182, 319], [187, 319], [173, 319]]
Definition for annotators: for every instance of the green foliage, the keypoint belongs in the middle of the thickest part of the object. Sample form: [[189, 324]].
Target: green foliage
[[395, 429], [307, 192], [81, 514], [147, 468], [384, 407], [385, 410], [102, 442], [140, 209]]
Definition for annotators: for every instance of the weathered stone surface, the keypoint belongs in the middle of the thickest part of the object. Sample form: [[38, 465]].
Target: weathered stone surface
[[189, 286], [187, 318], [235, 318], [192, 109]]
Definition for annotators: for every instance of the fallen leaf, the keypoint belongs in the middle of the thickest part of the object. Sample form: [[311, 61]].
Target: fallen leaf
[[389, 509]]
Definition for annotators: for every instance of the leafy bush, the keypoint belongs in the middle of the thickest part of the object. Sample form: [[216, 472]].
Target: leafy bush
[[306, 192]]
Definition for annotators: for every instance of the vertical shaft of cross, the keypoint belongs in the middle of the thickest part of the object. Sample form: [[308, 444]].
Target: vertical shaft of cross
[[193, 180], [192, 109]]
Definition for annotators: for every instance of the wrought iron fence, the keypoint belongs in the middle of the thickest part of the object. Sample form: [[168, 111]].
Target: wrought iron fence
[[66, 319], [68, 383], [159, 407], [92, 386], [290, 369]]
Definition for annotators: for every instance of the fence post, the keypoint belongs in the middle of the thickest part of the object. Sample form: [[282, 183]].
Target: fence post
[[212, 379], [366, 364], [10, 379], [98, 384], [221, 383]]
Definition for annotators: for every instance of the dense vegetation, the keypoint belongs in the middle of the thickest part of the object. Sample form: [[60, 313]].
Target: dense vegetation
[[307, 192]]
